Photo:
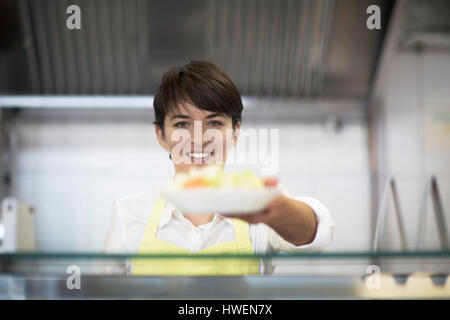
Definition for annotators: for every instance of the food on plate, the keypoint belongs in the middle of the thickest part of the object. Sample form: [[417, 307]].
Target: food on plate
[[216, 177], [211, 189]]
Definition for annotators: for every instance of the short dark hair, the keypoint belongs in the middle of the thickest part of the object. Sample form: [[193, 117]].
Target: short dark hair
[[200, 83]]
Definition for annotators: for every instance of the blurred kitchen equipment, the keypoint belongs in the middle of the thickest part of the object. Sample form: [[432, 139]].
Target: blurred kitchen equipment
[[390, 188], [432, 190], [17, 230]]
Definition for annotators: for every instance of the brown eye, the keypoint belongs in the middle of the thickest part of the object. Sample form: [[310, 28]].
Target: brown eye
[[181, 124], [215, 123]]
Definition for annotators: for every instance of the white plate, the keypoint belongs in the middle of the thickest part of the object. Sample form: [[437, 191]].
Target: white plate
[[221, 200]]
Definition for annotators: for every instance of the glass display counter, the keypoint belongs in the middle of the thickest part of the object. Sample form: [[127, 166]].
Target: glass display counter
[[330, 275]]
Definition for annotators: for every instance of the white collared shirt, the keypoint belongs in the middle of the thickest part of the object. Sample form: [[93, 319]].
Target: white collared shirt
[[130, 215]]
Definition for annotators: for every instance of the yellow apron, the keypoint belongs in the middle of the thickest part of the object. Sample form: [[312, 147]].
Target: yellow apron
[[193, 266]]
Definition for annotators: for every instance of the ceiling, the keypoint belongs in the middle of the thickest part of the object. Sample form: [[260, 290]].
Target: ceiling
[[286, 48]]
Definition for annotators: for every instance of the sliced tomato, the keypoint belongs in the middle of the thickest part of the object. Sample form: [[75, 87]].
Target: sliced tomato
[[198, 182]]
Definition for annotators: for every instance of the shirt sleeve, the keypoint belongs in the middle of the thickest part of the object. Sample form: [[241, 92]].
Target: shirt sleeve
[[324, 232], [114, 243]]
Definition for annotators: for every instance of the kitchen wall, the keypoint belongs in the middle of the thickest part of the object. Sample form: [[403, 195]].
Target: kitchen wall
[[411, 104]]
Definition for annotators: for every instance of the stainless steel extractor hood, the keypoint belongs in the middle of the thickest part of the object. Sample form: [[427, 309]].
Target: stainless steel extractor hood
[[288, 48]]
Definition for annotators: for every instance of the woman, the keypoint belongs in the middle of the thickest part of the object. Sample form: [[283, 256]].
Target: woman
[[200, 96]]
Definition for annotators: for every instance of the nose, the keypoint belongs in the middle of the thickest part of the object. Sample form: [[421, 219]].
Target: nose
[[197, 134]]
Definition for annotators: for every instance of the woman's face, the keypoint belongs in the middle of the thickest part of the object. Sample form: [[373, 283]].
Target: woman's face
[[196, 137]]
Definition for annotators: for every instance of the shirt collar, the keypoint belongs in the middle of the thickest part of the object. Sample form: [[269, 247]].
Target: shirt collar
[[170, 211]]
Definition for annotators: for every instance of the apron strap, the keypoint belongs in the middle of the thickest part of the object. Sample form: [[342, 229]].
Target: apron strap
[[241, 233], [153, 221]]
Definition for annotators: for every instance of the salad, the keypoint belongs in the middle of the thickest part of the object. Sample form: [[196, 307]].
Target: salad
[[211, 189], [216, 177]]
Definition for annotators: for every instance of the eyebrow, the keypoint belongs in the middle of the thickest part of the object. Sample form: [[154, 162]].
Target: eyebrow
[[182, 116], [213, 115]]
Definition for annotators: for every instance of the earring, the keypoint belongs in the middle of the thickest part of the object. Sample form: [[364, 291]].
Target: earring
[[170, 156]]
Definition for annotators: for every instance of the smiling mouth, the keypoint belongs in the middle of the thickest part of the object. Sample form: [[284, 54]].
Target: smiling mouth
[[199, 157]]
